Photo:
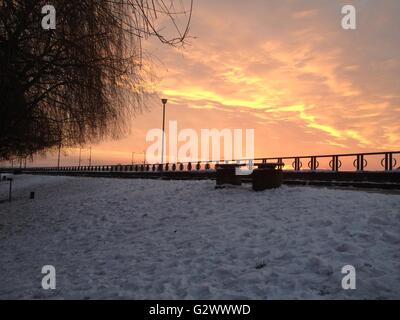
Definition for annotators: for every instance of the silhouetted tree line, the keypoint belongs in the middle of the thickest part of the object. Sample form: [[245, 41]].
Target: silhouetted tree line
[[81, 81]]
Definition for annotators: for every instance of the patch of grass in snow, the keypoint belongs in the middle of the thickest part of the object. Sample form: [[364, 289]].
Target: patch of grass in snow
[[260, 265]]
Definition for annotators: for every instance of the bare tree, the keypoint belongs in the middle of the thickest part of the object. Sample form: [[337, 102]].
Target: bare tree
[[81, 81]]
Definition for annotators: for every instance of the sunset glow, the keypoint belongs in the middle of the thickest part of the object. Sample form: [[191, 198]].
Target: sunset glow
[[290, 72]]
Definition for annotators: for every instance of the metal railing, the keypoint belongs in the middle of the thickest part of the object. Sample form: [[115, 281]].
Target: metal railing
[[388, 161]]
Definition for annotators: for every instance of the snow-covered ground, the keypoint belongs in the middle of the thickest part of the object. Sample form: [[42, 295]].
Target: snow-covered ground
[[149, 239]]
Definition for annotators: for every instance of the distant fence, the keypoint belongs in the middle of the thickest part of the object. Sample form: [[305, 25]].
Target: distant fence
[[374, 161], [377, 170]]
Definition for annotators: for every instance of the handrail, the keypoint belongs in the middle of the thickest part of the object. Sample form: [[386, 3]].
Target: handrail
[[388, 162]]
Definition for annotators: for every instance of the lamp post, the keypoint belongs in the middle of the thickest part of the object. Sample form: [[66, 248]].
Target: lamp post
[[59, 150], [164, 102], [80, 156], [133, 156], [90, 157], [59, 156]]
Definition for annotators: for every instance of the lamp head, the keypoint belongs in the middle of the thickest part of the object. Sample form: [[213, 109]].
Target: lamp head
[[164, 101]]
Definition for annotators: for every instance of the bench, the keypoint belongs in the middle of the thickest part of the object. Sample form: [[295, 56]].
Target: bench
[[226, 175], [267, 176]]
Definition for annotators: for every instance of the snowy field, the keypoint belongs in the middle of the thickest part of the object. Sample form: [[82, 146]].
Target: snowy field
[[149, 239]]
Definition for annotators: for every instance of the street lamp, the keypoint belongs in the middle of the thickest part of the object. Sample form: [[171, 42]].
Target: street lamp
[[80, 156], [90, 157], [164, 102], [59, 149]]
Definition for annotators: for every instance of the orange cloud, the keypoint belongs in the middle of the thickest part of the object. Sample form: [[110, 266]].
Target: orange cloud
[[286, 69]]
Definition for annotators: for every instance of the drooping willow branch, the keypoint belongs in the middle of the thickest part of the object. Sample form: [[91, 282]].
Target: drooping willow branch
[[88, 70]]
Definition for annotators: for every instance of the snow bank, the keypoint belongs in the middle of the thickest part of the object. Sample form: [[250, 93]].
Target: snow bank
[[149, 239]]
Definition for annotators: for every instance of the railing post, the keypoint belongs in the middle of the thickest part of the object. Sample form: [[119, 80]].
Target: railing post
[[313, 163], [335, 163], [297, 164], [360, 162], [388, 161]]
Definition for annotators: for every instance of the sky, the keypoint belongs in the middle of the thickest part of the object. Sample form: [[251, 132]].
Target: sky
[[286, 69]]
